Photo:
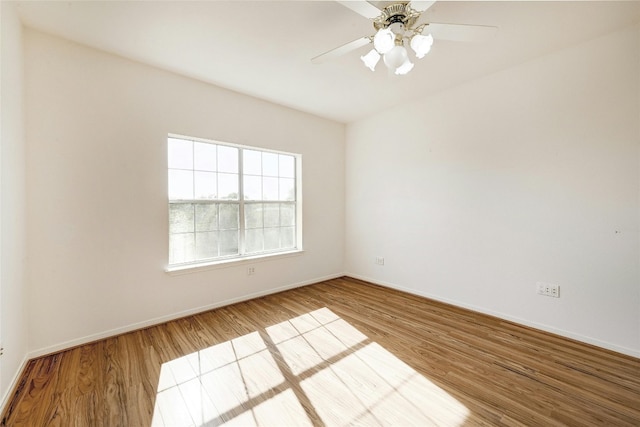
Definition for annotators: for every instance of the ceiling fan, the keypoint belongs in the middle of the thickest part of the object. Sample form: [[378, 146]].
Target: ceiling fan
[[399, 24]]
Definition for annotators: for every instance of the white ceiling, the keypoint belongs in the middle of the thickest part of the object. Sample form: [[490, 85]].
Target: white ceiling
[[263, 48]]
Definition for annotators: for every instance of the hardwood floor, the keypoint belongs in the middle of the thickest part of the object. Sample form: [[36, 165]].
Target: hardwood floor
[[340, 352]]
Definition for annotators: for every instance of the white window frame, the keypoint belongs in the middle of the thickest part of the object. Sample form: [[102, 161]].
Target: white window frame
[[242, 256]]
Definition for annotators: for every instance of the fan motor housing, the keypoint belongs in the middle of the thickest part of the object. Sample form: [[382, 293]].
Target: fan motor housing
[[396, 13]]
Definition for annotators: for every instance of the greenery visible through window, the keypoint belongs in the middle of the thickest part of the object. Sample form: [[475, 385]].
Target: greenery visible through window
[[229, 201]]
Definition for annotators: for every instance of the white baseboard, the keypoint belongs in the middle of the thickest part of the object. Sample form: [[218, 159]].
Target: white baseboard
[[8, 394], [520, 321], [162, 319]]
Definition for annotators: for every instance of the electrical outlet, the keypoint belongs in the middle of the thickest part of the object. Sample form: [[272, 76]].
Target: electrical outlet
[[251, 271], [548, 289], [379, 260]]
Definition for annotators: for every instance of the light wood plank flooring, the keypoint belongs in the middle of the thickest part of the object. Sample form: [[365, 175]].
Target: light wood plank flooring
[[341, 352]]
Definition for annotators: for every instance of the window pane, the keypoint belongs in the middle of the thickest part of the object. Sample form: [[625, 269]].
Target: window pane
[[180, 218], [227, 159], [228, 186], [205, 185], [287, 166], [252, 187], [269, 164], [229, 216], [287, 189], [228, 242], [287, 214], [287, 237], [180, 154], [254, 240], [206, 245], [271, 238], [204, 157], [271, 215], [182, 248], [252, 163], [253, 215], [180, 184], [206, 217], [270, 189]]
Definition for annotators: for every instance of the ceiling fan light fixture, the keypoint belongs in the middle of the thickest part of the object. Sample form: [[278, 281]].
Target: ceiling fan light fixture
[[404, 68], [384, 40], [421, 45], [396, 57], [371, 59], [401, 25]]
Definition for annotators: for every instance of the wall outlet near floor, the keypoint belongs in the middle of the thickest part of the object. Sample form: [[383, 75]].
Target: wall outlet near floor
[[548, 289], [251, 271], [379, 260]]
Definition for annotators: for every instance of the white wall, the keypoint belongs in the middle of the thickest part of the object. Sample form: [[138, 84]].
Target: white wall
[[638, 228], [97, 193], [531, 174], [13, 287]]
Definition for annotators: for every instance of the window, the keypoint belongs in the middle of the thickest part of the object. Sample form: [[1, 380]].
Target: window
[[229, 201]]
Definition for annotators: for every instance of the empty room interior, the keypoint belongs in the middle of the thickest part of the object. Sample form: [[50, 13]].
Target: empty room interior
[[319, 213]]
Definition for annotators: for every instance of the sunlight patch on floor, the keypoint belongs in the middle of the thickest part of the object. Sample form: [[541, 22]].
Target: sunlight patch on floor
[[372, 384], [318, 361]]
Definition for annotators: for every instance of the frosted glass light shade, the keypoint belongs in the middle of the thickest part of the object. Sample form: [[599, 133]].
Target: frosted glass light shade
[[395, 57], [404, 68], [371, 59], [421, 45], [384, 40]]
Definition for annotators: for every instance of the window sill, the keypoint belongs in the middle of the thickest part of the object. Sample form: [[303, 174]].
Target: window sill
[[214, 265]]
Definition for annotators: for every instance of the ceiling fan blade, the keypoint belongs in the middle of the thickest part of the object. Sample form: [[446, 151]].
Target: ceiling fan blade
[[460, 32], [362, 7], [341, 50], [421, 5]]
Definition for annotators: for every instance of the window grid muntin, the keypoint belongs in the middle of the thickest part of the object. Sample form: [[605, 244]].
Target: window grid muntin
[[280, 226], [220, 229], [240, 202]]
